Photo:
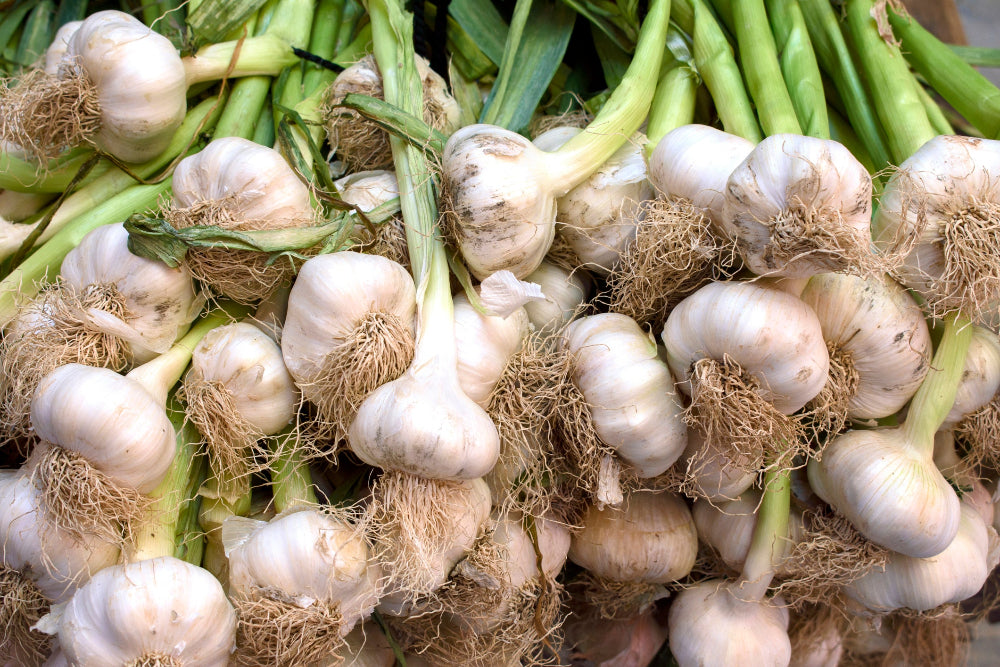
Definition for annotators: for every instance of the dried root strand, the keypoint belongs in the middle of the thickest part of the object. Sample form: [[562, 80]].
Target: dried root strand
[[976, 435], [360, 143], [747, 430], [827, 414], [45, 114], [388, 240], [50, 331], [22, 605], [539, 125], [674, 253], [616, 600], [155, 660], [831, 555], [937, 637], [274, 630], [378, 350], [230, 439], [816, 629], [84, 501], [242, 275], [970, 278]]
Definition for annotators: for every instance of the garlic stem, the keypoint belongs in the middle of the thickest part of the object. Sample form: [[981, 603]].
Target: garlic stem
[[55, 176], [291, 481], [223, 495], [156, 534], [624, 111], [673, 102], [160, 374], [262, 55], [930, 405], [770, 537]]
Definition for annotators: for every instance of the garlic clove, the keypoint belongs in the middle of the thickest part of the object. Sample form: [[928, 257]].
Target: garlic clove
[[564, 293], [484, 344]]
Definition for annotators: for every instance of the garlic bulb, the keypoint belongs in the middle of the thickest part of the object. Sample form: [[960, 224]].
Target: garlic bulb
[[162, 609], [364, 305], [564, 293], [484, 344], [239, 185], [135, 76], [920, 584], [300, 583], [939, 207], [727, 527], [710, 473], [694, 162], [980, 377], [629, 390], [598, 217], [798, 206], [878, 332], [710, 625], [368, 190], [650, 539]]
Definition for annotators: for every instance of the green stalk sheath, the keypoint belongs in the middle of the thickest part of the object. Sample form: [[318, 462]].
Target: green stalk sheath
[[713, 56], [935, 114], [627, 107], [156, 534], [972, 94], [24, 281], [933, 400], [291, 481], [770, 537], [892, 86], [25, 176], [799, 67], [835, 58], [759, 58], [673, 103], [264, 55], [222, 496], [323, 43]]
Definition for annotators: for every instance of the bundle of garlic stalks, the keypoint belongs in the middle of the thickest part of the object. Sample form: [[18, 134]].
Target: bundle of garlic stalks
[[541, 333]]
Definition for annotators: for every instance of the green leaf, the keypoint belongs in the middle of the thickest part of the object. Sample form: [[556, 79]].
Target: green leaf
[[483, 24]]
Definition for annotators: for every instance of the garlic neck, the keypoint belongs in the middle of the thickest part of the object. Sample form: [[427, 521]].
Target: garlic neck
[[769, 538]]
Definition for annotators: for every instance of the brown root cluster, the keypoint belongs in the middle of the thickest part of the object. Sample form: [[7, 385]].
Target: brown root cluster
[[616, 599], [378, 350], [22, 605], [50, 331], [230, 439], [84, 501], [155, 660], [831, 554], [45, 114], [937, 637], [744, 428], [244, 276], [541, 124], [814, 628], [388, 240], [827, 413], [674, 253], [273, 630], [970, 277], [977, 436]]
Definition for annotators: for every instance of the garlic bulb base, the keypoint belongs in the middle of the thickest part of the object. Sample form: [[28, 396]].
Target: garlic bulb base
[[275, 629], [24, 605]]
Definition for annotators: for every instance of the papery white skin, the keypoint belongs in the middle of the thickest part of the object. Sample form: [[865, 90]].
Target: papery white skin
[[161, 301], [163, 605], [980, 376], [890, 491], [257, 179], [368, 189], [598, 218], [728, 526], [140, 81], [111, 420], [249, 364], [503, 192], [825, 649], [635, 408], [651, 539], [715, 477], [625, 642], [331, 295], [306, 555], [773, 335], [920, 584], [484, 345], [883, 329], [564, 292], [788, 171], [58, 562], [60, 43], [710, 625], [694, 162], [943, 177], [501, 293]]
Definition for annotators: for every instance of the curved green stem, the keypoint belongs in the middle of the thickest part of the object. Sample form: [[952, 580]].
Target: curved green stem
[[770, 536], [291, 481], [799, 67], [673, 103]]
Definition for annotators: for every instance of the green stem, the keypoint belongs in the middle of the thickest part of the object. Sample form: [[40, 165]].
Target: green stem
[[156, 534], [162, 373], [291, 481], [323, 43], [713, 56], [933, 400], [892, 86], [625, 110], [770, 537], [673, 103], [971, 93], [263, 55], [759, 57], [834, 56], [55, 176], [935, 114], [222, 496], [799, 67]]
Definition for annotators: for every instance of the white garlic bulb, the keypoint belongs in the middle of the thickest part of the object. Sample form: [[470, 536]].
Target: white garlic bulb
[[798, 206], [163, 608], [629, 390], [368, 189], [878, 326], [484, 344], [980, 376], [712, 474], [564, 293], [728, 527], [650, 539]]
